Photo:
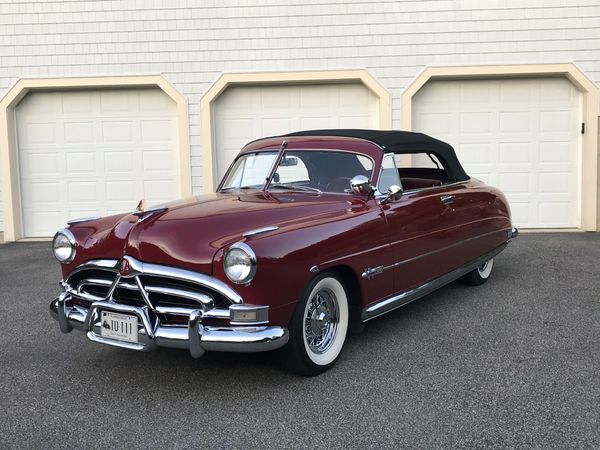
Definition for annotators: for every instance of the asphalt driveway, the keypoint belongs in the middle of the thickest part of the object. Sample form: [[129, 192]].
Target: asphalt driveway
[[513, 363]]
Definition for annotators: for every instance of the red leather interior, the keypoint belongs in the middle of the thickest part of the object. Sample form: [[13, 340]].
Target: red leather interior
[[418, 183]]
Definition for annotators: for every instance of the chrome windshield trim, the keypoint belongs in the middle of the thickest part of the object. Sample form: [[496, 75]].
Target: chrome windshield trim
[[260, 231], [221, 189]]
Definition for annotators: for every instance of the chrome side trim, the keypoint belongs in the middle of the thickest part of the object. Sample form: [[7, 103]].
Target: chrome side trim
[[260, 231], [370, 272], [396, 301]]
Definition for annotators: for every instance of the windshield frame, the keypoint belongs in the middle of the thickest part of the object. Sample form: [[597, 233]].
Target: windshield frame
[[281, 155]]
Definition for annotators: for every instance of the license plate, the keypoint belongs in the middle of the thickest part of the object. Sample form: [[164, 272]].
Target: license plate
[[122, 327]]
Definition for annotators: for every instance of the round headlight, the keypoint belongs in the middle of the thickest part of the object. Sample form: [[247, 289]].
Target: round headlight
[[240, 263], [63, 246]]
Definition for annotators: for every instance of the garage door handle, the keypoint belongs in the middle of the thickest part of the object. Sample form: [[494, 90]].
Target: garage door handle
[[447, 199]]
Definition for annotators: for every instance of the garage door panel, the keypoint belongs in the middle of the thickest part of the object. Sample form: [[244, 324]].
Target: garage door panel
[[243, 114], [475, 153], [78, 132], [351, 95], [474, 93], [554, 151], [438, 123], [39, 133], [514, 121], [315, 123], [42, 195], [515, 153], [91, 157], [551, 214], [82, 192], [41, 163], [157, 160], [555, 121], [157, 131], [79, 163], [531, 127], [159, 189], [272, 126], [117, 131], [475, 122], [77, 102], [515, 183], [115, 101]]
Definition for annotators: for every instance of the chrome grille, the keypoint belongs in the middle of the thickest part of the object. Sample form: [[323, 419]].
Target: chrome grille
[[150, 285]]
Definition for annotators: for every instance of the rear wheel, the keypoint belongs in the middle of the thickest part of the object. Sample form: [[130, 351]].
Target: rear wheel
[[480, 274], [319, 326]]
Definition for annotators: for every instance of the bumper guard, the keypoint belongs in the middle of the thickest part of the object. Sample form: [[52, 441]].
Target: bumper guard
[[195, 337]]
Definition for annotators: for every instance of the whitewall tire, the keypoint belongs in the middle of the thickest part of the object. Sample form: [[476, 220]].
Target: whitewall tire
[[480, 274], [319, 326]]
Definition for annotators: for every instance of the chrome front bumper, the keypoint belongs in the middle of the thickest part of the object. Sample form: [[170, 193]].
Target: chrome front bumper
[[195, 337]]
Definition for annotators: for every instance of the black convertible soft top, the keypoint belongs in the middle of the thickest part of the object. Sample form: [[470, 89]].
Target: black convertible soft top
[[401, 142]]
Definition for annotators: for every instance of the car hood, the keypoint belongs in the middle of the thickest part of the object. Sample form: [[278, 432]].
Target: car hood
[[190, 232]]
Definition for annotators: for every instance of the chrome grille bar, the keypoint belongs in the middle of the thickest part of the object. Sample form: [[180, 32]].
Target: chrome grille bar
[[167, 272]]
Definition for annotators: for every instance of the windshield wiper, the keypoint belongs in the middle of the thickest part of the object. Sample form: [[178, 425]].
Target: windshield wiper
[[237, 188], [292, 187]]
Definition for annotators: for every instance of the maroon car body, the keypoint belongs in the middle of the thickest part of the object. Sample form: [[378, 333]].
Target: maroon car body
[[386, 251]]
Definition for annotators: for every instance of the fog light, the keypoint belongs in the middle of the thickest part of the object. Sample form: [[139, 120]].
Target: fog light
[[248, 315]]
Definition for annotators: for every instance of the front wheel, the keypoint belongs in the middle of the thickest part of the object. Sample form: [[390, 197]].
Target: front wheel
[[319, 326], [480, 274]]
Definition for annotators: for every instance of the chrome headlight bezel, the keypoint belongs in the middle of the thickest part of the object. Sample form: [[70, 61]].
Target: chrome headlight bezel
[[70, 239], [242, 249]]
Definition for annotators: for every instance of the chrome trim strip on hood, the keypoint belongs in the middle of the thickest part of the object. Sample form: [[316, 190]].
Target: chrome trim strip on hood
[[260, 231]]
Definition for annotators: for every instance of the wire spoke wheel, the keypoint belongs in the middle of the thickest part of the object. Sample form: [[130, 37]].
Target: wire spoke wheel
[[321, 320], [319, 326]]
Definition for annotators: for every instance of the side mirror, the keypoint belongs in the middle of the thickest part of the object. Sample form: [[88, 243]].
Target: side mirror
[[361, 185], [394, 193]]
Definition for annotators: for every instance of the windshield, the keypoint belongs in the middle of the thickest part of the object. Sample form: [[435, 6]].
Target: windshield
[[315, 170], [250, 171]]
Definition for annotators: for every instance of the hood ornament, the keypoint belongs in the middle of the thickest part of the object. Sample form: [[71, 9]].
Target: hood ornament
[[142, 213]]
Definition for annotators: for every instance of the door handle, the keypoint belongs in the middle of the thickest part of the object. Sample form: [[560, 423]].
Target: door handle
[[447, 199]]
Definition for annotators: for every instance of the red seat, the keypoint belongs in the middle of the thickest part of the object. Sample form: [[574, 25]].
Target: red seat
[[418, 183]]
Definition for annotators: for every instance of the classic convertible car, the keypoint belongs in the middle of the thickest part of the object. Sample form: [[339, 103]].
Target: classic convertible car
[[308, 236]]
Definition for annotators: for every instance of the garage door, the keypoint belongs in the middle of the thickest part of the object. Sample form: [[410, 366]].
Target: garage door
[[243, 114], [94, 152], [520, 135]]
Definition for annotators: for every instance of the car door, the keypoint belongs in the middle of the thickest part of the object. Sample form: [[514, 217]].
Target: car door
[[422, 230]]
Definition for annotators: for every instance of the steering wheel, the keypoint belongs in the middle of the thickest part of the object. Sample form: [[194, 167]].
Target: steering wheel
[[338, 184]]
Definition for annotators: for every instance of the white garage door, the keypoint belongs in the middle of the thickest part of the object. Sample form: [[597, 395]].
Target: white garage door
[[520, 135], [243, 114], [94, 152]]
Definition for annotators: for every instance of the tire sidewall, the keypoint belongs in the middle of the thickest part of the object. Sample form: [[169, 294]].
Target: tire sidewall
[[304, 359]]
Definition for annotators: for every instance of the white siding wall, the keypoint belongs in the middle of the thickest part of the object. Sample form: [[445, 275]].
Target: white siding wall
[[192, 43]]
